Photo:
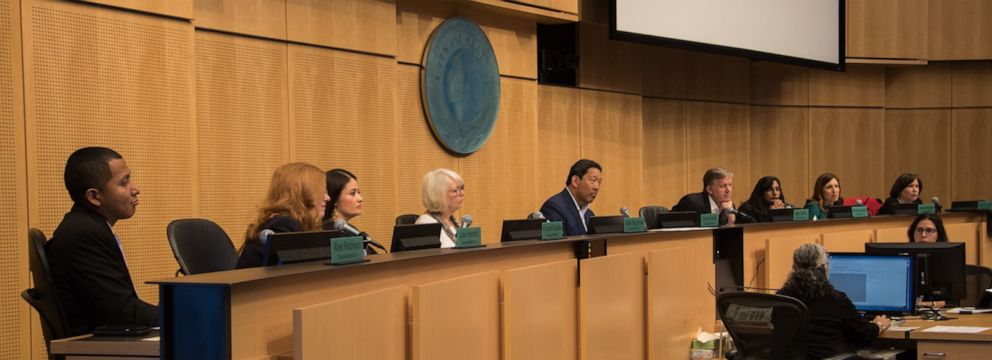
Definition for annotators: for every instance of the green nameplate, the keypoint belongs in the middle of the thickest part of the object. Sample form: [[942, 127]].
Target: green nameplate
[[985, 205], [800, 215], [709, 220], [634, 225], [859, 211], [469, 237], [926, 209], [347, 250], [552, 230]]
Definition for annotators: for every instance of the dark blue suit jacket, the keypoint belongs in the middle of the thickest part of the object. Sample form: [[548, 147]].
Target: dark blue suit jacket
[[561, 207]]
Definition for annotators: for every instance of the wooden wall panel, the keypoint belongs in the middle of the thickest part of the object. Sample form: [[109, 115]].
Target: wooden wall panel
[[779, 147], [367, 326], [571, 6], [968, 234], [959, 30], [608, 64], [176, 8], [361, 25], [558, 127], [611, 135], [242, 117], [972, 83], [778, 258], [847, 241], [889, 29], [892, 235], [611, 307], [858, 86], [415, 21], [918, 86], [673, 317], [264, 18], [717, 77], [777, 84], [663, 72], [331, 94], [717, 136], [99, 76], [16, 319], [466, 328], [664, 126], [971, 164], [919, 141], [848, 143], [540, 304], [507, 156]]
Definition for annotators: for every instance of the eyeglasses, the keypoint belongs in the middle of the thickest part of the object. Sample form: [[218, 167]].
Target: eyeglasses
[[926, 231], [459, 191]]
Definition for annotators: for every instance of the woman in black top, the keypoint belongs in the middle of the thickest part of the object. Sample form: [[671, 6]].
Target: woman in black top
[[767, 195], [906, 190], [835, 327]]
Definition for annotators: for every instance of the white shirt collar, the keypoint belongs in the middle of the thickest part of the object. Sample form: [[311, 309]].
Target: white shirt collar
[[714, 207], [582, 209]]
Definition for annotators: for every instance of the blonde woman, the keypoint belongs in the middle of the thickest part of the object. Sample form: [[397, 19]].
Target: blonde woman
[[296, 201], [442, 193]]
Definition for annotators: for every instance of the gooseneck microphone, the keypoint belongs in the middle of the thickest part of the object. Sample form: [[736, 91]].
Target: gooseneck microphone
[[936, 203], [624, 212], [466, 221], [741, 213], [263, 235], [537, 215], [345, 227], [858, 202]]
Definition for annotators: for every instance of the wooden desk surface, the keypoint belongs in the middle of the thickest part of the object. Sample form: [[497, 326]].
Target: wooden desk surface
[[978, 320], [140, 346]]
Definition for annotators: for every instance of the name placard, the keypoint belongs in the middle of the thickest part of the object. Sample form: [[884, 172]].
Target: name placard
[[347, 250], [634, 225], [800, 215], [859, 211], [926, 209], [985, 205], [709, 220], [552, 230], [470, 237]]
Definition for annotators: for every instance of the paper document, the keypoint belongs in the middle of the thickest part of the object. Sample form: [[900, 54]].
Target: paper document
[[902, 328], [959, 310], [956, 329], [156, 338]]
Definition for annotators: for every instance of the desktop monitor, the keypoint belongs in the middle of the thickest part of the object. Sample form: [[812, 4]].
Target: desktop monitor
[[527, 229], [416, 237], [840, 212], [939, 267], [905, 209], [874, 283], [782, 215], [292, 247], [606, 224], [678, 219]]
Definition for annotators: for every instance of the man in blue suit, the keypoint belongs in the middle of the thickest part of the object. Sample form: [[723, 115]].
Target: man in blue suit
[[571, 205]]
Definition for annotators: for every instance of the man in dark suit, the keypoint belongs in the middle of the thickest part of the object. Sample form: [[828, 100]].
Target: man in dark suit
[[86, 257], [571, 205], [718, 187]]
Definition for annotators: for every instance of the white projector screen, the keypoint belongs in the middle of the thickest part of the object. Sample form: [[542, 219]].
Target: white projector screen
[[801, 32]]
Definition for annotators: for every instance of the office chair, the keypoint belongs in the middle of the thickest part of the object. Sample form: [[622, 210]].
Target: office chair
[[976, 279], [765, 326], [407, 219], [43, 297], [650, 215], [201, 246]]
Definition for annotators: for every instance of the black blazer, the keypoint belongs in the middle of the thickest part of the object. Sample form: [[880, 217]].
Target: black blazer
[[253, 252], [561, 207], [888, 207], [835, 327], [91, 276], [698, 202], [757, 214]]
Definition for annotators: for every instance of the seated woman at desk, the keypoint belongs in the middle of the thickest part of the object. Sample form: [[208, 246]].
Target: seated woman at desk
[[346, 202], [927, 228], [826, 193], [296, 200], [767, 195], [906, 190], [442, 193], [835, 327]]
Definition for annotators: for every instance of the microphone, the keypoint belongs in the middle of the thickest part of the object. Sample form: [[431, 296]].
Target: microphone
[[936, 203], [263, 235], [345, 227], [741, 213], [466, 221], [858, 202], [788, 205], [624, 212], [537, 215]]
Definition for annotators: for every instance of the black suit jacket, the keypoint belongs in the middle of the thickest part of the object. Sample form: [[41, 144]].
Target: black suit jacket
[[91, 276], [698, 202], [888, 207], [562, 208], [253, 253], [835, 327]]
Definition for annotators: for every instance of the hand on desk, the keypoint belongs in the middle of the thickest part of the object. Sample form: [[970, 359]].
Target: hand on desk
[[883, 323]]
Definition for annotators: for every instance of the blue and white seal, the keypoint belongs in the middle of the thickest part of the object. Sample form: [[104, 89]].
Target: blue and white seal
[[459, 85]]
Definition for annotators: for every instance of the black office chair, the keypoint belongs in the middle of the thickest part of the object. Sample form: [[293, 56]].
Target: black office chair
[[407, 219], [201, 246], [43, 297], [976, 279], [765, 326], [650, 215]]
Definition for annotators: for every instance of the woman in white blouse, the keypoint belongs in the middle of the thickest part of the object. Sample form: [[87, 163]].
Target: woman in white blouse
[[442, 193]]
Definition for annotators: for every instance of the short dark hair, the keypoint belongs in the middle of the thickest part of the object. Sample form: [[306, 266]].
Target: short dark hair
[[902, 182], [336, 180], [580, 168], [937, 222], [715, 174], [88, 168]]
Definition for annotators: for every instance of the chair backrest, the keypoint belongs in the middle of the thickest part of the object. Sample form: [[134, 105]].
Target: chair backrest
[[650, 215], [765, 326], [44, 297], [977, 279], [407, 219], [201, 246]]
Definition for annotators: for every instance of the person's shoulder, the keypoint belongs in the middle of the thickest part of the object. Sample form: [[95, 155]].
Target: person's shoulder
[[282, 223], [426, 219]]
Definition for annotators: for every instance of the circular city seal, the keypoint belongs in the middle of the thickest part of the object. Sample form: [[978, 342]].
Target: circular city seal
[[459, 85]]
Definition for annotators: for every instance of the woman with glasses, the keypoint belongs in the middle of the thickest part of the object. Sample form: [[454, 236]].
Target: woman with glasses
[[927, 228], [442, 193]]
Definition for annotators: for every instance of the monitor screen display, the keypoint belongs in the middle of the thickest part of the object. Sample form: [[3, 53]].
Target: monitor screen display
[[875, 283]]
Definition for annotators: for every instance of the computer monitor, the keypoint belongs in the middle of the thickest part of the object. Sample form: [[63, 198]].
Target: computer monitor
[[527, 229], [678, 219], [606, 224], [874, 283], [840, 212], [416, 237], [905, 209], [782, 215], [939, 267], [292, 247]]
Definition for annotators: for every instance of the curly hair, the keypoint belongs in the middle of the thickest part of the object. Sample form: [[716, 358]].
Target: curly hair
[[808, 279]]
